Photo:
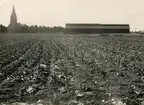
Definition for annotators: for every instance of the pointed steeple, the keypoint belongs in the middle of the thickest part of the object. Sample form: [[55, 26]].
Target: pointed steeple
[[13, 21], [13, 15], [13, 11]]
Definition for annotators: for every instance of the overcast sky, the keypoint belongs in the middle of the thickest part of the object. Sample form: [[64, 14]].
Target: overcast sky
[[59, 12]]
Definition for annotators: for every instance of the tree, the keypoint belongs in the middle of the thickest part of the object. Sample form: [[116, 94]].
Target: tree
[[3, 29], [23, 28]]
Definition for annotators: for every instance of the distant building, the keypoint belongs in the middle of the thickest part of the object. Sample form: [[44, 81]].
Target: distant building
[[13, 26], [97, 28]]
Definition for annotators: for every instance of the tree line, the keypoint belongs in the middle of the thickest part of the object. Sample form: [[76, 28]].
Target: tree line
[[3, 29], [23, 28]]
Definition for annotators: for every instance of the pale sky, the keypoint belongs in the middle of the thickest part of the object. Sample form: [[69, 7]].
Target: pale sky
[[59, 12]]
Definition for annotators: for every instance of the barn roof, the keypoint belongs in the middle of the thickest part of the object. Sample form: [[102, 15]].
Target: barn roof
[[96, 26]]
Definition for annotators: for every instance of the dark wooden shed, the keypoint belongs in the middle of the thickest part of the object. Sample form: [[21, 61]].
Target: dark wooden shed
[[97, 28]]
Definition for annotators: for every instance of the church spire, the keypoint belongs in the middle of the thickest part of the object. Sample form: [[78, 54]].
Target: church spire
[[13, 10], [13, 21], [13, 16]]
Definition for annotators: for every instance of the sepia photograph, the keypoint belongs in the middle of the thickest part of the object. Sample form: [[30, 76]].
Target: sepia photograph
[[71, 52]]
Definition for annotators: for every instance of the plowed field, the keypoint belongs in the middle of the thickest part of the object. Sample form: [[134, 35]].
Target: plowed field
[[71, 70]]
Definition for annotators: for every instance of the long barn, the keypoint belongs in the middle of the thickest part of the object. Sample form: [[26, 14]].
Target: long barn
[[97, 28]]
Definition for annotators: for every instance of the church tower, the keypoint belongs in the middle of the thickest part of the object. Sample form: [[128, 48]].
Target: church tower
[[13, 21]]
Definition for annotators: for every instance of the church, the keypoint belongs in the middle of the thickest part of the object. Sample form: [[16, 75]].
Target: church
[[13, 21], [14, 26]]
